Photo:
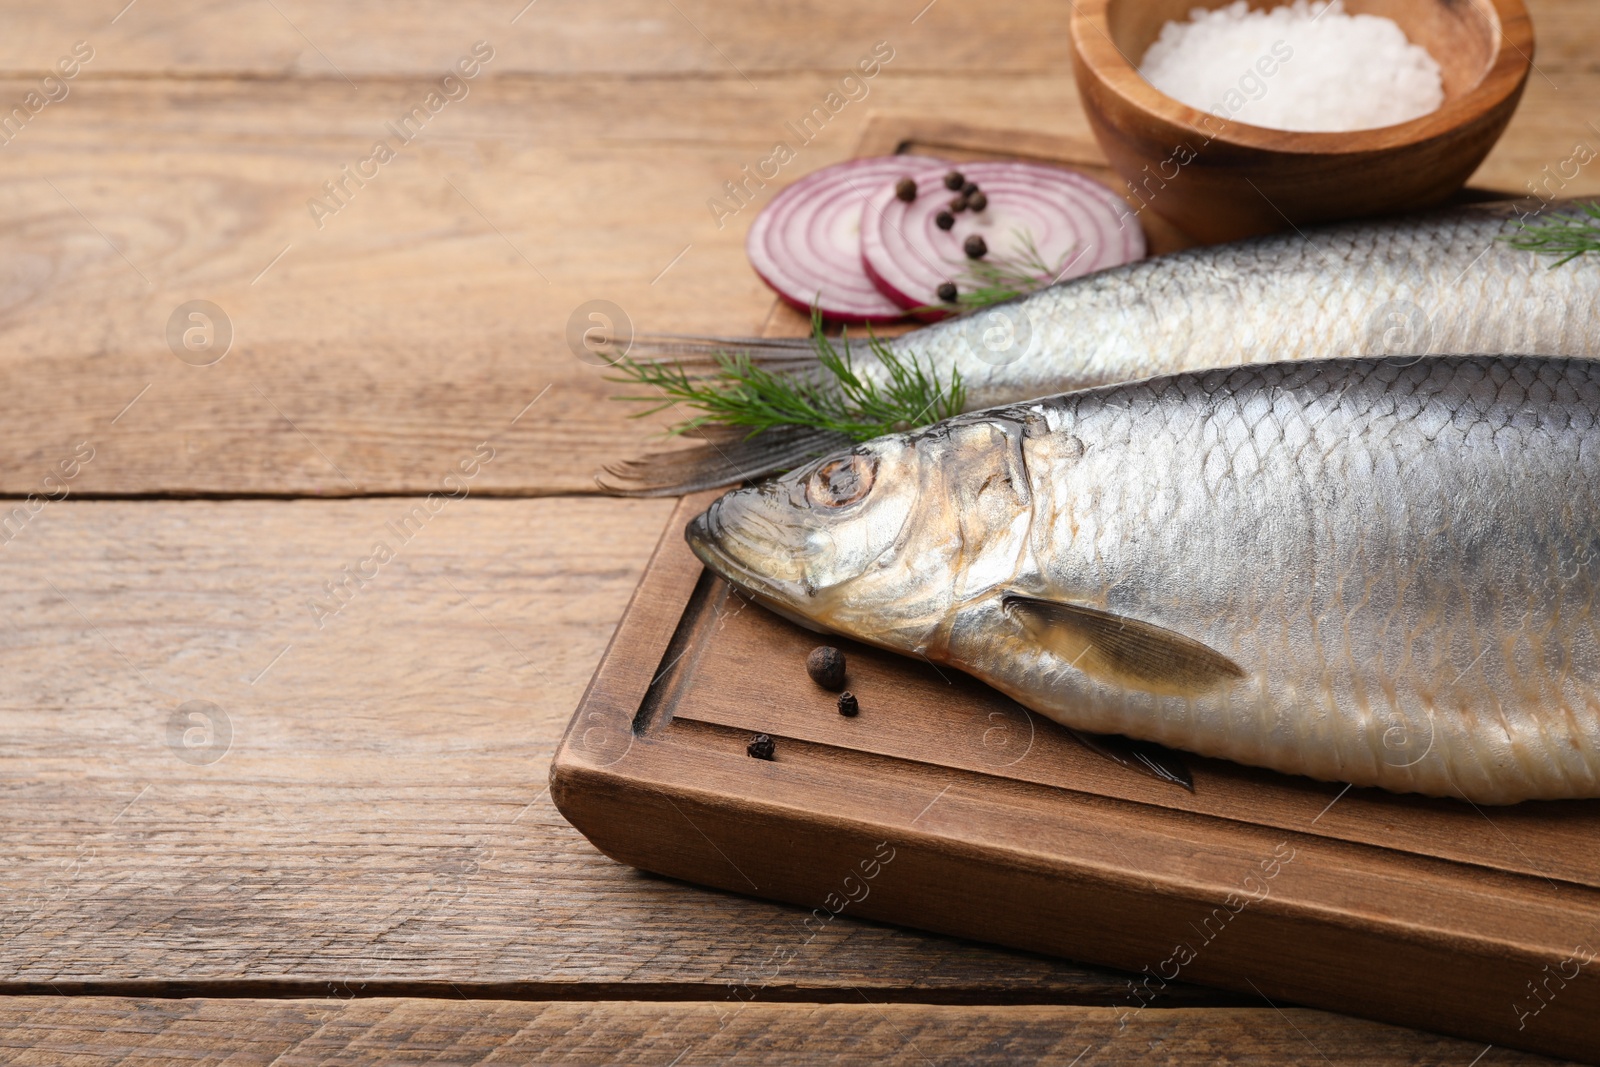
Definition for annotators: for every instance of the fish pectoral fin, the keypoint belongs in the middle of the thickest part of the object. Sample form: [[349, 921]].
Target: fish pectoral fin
[[1123, 651]]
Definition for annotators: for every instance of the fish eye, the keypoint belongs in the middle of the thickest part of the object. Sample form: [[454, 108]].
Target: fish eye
[[841, 481]]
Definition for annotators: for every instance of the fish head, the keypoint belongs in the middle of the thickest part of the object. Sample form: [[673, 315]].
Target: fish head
[[881, 542]]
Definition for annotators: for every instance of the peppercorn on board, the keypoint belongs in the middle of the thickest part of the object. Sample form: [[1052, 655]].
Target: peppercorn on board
[[944, 805]]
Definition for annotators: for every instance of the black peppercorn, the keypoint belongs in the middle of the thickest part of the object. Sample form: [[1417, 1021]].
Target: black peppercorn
[[944, 220], [969, 188], [954, 180], [978, 201], [826, 667], [975, 247], [906, 190], [947, 292], [849, 706], [761, 747], [959, 204]]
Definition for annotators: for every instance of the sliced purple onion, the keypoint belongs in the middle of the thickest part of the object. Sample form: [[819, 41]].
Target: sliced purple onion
[[1077, 226], [806, 244]]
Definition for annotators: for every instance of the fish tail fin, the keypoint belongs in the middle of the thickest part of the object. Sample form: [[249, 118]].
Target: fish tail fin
[[699, 355], [725, 456]]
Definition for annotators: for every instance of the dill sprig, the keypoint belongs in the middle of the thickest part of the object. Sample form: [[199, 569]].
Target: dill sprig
[[743, 393], [1567, 236], [1001, 278]]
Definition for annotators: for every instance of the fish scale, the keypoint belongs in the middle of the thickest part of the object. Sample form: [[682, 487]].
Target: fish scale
[[1187, 573], [1373, 571]]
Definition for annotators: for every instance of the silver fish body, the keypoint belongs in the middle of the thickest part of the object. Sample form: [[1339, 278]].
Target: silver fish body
[[1444, 281], [1379, 572]]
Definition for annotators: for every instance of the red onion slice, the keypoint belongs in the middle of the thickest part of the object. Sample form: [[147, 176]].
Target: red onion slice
[[1077, 225], [806, 244]]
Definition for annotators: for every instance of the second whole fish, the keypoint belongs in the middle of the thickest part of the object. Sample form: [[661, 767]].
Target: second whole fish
[[1439, 282]]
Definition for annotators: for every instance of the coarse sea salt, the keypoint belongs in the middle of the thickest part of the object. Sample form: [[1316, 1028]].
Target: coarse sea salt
[[1302, 66]]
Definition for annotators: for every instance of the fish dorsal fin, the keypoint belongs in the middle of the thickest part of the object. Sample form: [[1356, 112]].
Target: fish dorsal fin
[[1123, 651]]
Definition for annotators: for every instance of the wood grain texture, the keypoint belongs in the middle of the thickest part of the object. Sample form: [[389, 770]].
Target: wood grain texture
[[378, 814], [285, 1033], [420, 318], [370, 39]]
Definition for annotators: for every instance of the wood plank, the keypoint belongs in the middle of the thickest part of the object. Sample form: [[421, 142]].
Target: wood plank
[[378, 815], [56, 1030], [410, 325], [418, 319], [367, 38]]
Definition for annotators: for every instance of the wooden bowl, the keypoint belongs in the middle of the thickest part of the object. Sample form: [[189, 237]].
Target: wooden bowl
[[1219, 179]]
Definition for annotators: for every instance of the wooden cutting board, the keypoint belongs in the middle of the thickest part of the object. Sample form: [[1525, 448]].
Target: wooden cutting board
[[946, 806]]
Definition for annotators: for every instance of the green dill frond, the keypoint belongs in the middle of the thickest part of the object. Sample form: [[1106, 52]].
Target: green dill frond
[[1567, 236], [742, 393]]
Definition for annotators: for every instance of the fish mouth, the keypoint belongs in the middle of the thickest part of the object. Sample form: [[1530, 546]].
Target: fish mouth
[[704, 543], [706, 548]]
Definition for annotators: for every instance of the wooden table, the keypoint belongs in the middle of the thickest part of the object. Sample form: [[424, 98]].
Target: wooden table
[[271, 796]]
